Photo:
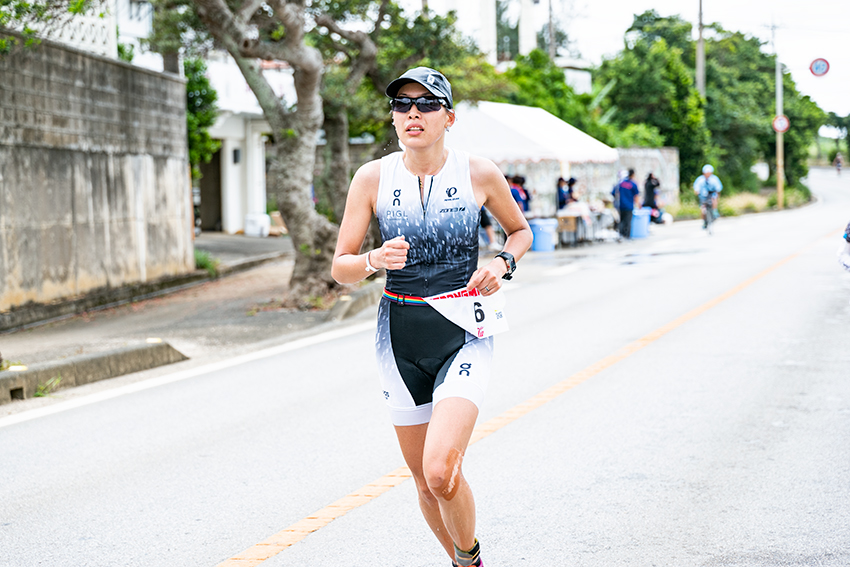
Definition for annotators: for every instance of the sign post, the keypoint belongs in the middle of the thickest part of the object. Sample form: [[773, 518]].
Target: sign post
[[780, 148]]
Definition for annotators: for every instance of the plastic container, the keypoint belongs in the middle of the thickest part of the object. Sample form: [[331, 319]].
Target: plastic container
[[257, 224], [640, 222], [545, 233]]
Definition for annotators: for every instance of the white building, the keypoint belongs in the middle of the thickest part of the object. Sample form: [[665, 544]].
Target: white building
[[233, 188]]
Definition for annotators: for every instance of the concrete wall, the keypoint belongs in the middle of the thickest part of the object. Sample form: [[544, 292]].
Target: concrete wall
[[94, 188]]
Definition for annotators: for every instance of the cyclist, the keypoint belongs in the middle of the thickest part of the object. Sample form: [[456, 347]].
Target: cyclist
[[707, 186]]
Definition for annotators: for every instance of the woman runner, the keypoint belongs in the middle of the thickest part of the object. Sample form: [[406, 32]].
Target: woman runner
[[434, 374]]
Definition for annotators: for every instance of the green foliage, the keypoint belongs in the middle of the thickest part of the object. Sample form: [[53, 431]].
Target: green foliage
[[203, 261], [731, 127], [540, 83], [794, 196], [178, 29], [201, 112], [654, 87], [46, 389], [126, 51], [507, 33]]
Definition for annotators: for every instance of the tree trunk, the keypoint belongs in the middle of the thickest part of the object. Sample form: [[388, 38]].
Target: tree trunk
[[339, 170], [294, 131]]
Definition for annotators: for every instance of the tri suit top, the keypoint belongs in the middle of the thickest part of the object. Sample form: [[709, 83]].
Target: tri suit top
[[423, 357], [441, 225]]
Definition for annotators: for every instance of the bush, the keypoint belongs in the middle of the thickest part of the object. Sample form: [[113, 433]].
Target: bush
[[794, 197]]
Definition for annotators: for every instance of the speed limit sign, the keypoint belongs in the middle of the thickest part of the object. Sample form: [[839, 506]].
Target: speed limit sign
[[819, 67], [781, 123]]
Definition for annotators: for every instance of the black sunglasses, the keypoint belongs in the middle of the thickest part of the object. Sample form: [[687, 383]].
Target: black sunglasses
[[423, 104]]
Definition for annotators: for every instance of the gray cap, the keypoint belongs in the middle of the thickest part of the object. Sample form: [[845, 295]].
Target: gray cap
[[436, 83]]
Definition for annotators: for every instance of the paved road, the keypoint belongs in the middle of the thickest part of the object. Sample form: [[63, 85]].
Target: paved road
[[704, 420]]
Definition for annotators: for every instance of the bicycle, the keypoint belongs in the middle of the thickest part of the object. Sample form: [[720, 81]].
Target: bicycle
[[709, 213]]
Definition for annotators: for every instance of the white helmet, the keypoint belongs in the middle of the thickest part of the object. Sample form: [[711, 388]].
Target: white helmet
[[707, 168]]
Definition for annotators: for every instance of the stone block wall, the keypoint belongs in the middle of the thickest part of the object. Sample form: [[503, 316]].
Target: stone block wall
[[94, 186]]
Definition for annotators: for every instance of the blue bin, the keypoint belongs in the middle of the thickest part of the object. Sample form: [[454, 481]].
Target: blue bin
[[545, 233], [640, 222]]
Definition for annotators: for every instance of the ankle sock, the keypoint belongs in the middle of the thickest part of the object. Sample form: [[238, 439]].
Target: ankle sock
[[468, 558]]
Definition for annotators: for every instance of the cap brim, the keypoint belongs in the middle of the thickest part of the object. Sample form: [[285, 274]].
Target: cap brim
[[395, 86]]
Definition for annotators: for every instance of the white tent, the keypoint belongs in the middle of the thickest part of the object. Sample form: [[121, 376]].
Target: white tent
[[507, 133], [539, 146]]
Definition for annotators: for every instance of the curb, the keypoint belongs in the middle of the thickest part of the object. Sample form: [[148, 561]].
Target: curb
[[79, 370], [350, 305]]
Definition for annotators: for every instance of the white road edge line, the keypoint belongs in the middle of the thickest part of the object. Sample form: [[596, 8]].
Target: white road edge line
[[184, 375]]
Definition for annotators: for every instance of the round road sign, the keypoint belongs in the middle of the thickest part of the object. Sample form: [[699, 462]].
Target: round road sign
[[781, 123], [819, 67]]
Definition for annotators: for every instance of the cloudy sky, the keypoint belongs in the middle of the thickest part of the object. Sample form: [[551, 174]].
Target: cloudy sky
[[806, 30]]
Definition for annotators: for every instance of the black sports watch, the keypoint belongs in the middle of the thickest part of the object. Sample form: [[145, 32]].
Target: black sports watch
[[511, 263]]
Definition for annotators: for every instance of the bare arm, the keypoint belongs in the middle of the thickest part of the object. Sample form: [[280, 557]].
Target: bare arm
[[349, 265], [492, 191]]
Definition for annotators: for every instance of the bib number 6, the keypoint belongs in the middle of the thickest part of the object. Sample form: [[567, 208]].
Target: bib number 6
[[479, 313]]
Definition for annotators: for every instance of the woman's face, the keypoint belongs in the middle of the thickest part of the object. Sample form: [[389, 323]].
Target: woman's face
[[420, 129]]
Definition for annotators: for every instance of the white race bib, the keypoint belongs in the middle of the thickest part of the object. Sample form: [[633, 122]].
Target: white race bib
[[478, 315]]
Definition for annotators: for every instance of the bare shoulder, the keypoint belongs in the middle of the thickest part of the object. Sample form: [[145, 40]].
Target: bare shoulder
[[484, 172], [369, 174], [364, 184]]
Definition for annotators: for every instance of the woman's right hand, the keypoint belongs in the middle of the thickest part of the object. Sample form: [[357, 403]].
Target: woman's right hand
[[392, 254]]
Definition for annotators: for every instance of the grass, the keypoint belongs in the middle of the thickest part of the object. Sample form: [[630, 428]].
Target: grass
[[203, 261], [44, 390], [740, 203]]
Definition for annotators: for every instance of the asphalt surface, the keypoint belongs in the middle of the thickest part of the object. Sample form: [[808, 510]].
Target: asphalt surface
[[703, 422]]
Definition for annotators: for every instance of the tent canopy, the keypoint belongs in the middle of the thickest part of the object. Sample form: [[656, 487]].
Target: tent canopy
[[511, 133]]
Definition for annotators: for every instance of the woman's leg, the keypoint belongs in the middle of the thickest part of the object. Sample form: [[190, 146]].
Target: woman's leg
[[411, 439], [448, 435], [434, 453]]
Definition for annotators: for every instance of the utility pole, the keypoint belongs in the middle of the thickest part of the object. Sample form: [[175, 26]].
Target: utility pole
[[700, 57], [551, 34], [425, 5], [780, 142]]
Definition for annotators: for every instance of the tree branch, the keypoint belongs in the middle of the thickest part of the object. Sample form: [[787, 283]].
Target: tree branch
[[247, 10], [368, 51]]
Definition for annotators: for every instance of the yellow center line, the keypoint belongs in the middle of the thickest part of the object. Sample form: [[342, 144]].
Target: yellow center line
[[296, 532]]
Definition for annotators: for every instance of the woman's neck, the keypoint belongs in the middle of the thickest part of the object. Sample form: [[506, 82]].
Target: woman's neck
[[425, 162]]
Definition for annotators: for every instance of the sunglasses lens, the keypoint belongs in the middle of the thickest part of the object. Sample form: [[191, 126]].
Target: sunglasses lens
[[404, 104], [401, 104]]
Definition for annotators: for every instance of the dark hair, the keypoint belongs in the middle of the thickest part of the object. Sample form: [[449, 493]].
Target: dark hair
[[631, 172], [561, 180], [572, 181], [519, 179]]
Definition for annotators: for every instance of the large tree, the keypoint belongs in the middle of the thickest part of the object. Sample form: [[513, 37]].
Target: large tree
[[251, 31], [653, 86], [737, 109]]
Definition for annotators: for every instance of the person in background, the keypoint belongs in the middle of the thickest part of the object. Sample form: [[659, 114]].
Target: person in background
[[626, 194], [651, 198], [839, 161], [562, 193], [519, 193], [707, 188]]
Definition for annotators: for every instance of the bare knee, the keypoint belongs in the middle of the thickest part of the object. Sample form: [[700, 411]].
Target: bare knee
[[443, 474]]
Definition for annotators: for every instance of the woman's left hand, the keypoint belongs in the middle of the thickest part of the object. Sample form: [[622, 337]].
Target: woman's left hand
[[488, 279]]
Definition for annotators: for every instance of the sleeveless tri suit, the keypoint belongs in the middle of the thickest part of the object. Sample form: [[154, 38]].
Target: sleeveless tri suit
[[422, 356]]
